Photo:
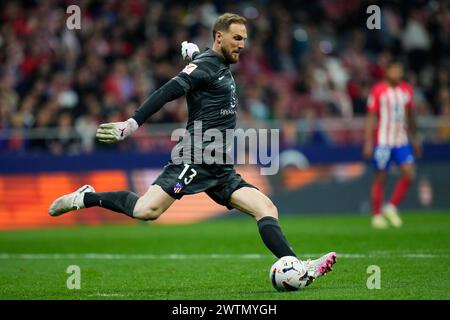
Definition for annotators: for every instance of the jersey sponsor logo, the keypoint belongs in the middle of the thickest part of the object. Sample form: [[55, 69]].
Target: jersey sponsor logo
[[227, 112], [189, 68]]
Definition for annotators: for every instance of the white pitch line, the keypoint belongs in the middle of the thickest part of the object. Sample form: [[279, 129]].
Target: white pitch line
[[106, 295], [119, 256], [217, 256]]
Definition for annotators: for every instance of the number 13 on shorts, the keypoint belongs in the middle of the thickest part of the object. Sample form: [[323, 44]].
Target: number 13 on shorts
[[190, 177]]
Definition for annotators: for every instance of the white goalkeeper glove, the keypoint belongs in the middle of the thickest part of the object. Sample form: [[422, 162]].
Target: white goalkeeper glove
[[188, 49], [116, 131]]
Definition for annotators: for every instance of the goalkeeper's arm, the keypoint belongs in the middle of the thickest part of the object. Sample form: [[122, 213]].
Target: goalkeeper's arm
[[116, 131], [170, 91]]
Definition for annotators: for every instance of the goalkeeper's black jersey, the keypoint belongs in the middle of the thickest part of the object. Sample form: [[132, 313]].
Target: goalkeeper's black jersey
[[211, 98]]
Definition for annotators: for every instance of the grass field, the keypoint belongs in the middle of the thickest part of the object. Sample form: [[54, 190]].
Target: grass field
[[225, 259]]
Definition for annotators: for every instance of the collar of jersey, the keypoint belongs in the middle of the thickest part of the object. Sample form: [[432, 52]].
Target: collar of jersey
[[210, 52]]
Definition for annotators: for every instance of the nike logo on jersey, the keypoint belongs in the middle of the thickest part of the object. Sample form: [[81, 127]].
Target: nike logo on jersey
[[220, 78]]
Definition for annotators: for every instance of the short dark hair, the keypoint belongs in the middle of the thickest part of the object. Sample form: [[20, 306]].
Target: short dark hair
[[223, 22], [395, 62]]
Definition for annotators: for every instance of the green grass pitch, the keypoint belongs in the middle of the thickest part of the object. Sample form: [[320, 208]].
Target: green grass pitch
[[225, 259]]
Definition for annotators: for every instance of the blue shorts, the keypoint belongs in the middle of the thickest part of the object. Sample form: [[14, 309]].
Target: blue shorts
[[383, 156]]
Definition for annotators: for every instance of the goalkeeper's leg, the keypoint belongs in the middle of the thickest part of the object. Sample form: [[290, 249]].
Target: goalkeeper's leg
[[148, 207], [254, 202]]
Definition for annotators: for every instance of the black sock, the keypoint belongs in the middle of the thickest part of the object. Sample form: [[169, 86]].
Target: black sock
[[273, 237], [119, 201]]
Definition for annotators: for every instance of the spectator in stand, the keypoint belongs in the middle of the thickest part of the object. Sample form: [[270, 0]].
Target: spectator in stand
[[126, 48]]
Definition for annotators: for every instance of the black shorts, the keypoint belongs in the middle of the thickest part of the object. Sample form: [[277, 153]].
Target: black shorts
[[217, 181]]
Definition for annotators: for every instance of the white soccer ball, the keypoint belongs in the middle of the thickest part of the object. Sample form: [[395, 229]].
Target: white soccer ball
[[288, 274]]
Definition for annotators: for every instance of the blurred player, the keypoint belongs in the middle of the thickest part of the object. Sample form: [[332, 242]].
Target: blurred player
[[389, 129], [209, 87]]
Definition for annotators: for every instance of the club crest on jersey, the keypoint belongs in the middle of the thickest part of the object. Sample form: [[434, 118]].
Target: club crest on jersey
[[189, 68], [178, 187]]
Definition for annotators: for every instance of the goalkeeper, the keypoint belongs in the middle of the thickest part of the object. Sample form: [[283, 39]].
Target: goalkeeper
[[209, 87]]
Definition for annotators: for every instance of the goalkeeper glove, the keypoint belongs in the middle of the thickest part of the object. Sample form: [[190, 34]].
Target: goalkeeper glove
[[188, 49], [116, 131]]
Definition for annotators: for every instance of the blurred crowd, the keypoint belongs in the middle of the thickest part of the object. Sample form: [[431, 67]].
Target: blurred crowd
[[308, 60]]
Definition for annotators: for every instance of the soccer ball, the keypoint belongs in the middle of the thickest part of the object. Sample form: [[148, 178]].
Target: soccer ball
[[288, 274]]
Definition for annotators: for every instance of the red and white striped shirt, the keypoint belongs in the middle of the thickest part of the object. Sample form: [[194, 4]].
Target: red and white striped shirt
[[390, 104]]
